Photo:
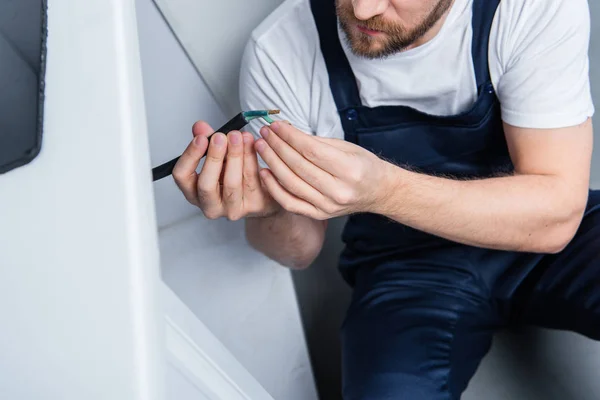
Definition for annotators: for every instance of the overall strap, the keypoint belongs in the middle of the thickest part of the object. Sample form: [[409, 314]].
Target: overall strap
[[483, 18], [341, 78]]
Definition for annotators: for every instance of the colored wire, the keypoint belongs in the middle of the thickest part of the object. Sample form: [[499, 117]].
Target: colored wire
[[234, 124], [264, 114]]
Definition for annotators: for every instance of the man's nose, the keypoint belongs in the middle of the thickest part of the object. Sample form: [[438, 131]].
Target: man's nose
[[367, 9]]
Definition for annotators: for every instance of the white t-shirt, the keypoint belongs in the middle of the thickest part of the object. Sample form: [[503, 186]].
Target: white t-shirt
[[538, 57]]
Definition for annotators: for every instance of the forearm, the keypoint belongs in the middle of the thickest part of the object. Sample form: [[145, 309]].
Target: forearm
[[532, 213], [292, 240]]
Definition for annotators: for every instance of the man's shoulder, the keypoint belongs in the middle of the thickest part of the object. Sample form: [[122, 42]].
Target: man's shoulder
[[539, 62], [283, 67], [524, 29], [288, 31], [524, 17]]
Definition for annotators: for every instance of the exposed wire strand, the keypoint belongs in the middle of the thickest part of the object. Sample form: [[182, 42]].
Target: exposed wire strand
[[264, 114]]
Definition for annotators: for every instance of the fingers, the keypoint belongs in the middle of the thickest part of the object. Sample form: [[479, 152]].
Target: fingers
[[250, 172], [232, 179], [209, 191], [337, 143], [201, 128], [288, 179], [287, 200], [184, 171], [323, 155], [309, 172]]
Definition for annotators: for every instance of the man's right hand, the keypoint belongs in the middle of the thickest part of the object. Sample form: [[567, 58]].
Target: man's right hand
[[228, 184]]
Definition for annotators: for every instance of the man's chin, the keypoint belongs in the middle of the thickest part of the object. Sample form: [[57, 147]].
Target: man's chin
[[366, 47], [367, 50]]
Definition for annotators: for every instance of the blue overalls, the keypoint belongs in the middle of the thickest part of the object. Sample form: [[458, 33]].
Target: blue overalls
[[424, 309]]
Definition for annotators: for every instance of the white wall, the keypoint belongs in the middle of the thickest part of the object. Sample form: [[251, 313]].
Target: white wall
[[78, 245], [214, 33], [536, 364], [247, 301]]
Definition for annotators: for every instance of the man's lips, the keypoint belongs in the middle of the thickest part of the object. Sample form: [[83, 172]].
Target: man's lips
[[368, 31]]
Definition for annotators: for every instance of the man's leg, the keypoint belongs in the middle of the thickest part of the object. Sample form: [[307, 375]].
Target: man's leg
[[563, 292], [415, 331]]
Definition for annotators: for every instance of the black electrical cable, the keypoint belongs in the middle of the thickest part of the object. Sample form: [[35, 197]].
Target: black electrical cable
[[234, 124]]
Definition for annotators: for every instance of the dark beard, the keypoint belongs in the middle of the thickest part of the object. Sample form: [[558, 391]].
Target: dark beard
[[398, 37]]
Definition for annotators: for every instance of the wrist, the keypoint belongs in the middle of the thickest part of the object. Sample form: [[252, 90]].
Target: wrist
[[274, 211], [387, 190]]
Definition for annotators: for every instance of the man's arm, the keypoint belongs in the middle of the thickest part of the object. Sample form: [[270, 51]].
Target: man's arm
[[540, 69], [537, 209], [292, 240]]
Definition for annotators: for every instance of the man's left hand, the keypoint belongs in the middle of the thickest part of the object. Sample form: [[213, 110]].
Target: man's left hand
[[319, 177]]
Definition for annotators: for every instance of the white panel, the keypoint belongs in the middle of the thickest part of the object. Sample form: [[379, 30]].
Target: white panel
[[246, 300], [200, 357], [214, 33], [78, 244], [181, 388]]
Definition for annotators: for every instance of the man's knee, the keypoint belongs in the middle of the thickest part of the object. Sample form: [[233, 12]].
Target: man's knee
[[403, 344]]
